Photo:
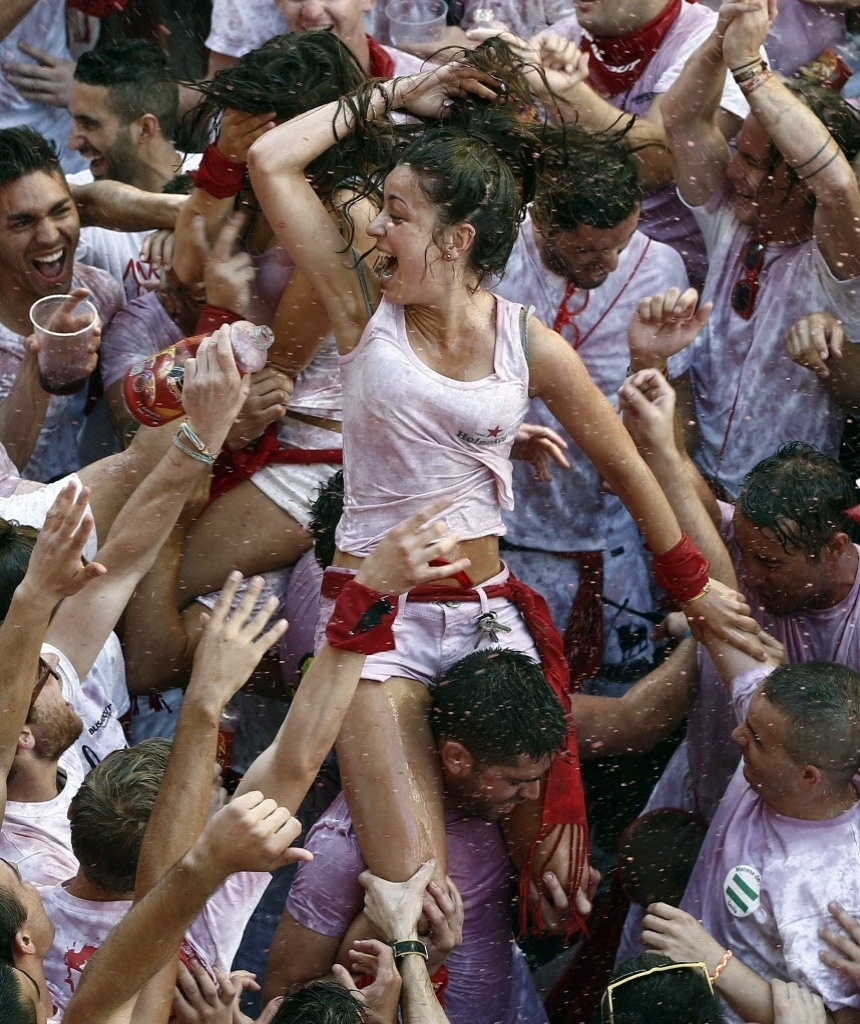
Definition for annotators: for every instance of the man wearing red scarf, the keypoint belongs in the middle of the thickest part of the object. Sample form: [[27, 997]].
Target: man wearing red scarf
[[637, 49]]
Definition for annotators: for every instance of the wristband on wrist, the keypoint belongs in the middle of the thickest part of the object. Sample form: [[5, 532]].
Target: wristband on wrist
[[387, 98], [682, 571], [721, 966], [362, 620], [190, 444], [407, 947], [749, 71], [757, 80], [220, 177]]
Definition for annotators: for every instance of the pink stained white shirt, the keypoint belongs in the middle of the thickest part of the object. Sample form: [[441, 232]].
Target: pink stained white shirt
[[749, 395], [430, 435], [483, 985], [663, 215], [55, 453], [763, 880], [139, 330], [524, 18], [83, 925], [574, 510], [36, 836]]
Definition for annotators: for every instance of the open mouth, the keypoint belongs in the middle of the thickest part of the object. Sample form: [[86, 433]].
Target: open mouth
[[52, 266], [385, 267]]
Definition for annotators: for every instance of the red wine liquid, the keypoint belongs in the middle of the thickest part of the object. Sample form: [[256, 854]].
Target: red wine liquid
[[62, 389]]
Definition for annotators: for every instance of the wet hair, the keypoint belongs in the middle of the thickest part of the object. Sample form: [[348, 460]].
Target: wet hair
[[479, 166], [18, 1007], [24, 151], [109, 813], [664, 998], [586, 179], [179, 185], [137, 77], [800, 495], [326, 511], [322, 1002], [498, 704], [13, 917], [289, 74], [656, 855], [16, 547], [821, 703]]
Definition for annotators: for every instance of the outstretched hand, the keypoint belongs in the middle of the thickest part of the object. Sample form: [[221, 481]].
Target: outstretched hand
[[813, 339], [380, 999], [251, 833], [665, 324], [540, 446], [844, 952], [647, 402], [680, 936], [401, 560], [724, 613], [56, 569], [233, 642], [428, 93]]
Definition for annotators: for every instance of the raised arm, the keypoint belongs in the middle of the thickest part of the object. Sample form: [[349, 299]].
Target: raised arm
[[286, 769], [226, 159], [691, 118], [301, 220], [213, 393], [121, 207], [249, 834], [805, 144], [55, 571]]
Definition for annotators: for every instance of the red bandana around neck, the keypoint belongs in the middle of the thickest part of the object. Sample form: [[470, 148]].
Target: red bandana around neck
[[381, 61], [618, 62]]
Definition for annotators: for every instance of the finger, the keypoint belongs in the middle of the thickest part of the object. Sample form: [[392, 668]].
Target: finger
[[344, 978], [837, 339], [42, 56], [845, 920], [243, 611], [228, 236], [225, 600]]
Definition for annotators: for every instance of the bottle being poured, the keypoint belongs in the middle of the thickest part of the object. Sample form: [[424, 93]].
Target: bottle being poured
[[152, 388]]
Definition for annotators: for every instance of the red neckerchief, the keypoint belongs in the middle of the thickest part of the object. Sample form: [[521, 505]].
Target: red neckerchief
[[381, 61], [618, 62]]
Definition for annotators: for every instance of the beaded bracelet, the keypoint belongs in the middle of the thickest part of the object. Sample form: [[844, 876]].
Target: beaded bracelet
[[195, 448], [387, 98], [706, 589], [721, 966], [753, 83]]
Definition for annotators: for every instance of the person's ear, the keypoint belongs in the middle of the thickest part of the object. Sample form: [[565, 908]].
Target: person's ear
[[456, 759], [147, 127], [460, 239]]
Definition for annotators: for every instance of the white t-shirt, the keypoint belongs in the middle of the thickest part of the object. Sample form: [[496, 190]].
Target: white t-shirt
[[44, 26], [36, 836], [763, 880], [574, 512], [83, 925], [100, 701], [749, 395]]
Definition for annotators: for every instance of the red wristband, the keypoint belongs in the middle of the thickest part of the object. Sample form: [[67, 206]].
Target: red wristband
[[682, 571], [213, 317], [362, 620], [220, 177]]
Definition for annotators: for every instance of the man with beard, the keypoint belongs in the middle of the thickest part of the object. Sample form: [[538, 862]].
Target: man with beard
[[637, 49], [582, 262], [124, 111], [780, 219], [39, 229]]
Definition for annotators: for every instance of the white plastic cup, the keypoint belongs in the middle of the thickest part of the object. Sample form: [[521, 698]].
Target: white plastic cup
[[64, 327], [416, 21]]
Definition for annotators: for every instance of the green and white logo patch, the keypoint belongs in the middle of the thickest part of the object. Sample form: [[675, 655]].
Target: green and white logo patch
[[742, 890]]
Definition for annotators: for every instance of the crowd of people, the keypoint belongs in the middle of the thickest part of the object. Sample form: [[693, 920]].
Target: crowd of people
[[489, 655]]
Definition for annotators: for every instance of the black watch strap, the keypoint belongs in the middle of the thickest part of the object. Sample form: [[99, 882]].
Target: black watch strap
[[407, 947]]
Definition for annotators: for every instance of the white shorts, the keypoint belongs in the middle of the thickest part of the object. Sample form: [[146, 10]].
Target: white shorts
[[292, 487], [431, 636]]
